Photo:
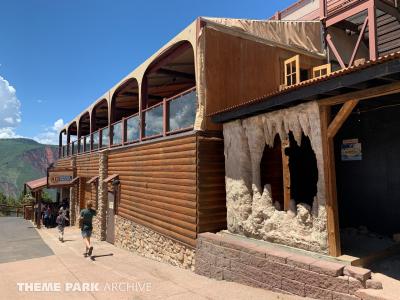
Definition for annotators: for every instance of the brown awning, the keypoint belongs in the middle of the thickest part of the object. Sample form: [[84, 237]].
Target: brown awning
[[93, 180], [37, 184], [75, 180], [110, 178]]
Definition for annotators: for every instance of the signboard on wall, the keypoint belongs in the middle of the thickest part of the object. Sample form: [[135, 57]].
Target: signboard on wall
[[57, 177], [351, 150]]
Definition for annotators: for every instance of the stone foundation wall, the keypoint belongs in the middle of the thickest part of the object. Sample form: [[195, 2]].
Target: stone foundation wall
[[225, 258], [251, 211], [148, 243]]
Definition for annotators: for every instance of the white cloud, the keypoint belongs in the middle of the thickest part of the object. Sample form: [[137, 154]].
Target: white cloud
[[10, 110], [58, 125], [8, 133], [51, 134]]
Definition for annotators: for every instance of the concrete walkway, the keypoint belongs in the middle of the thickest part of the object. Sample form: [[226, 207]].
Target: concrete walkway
[[111, 274]]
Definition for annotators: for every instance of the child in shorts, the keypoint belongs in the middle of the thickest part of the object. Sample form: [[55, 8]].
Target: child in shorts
[[61, 220]]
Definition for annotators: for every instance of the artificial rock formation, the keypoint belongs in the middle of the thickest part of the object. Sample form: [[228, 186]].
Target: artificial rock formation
[[250, 209]]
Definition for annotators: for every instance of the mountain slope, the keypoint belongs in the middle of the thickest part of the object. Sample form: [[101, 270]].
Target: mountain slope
[[22, 160]]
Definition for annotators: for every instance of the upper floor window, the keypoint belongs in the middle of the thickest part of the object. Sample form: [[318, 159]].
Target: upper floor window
[[321, 71], [292, 70]]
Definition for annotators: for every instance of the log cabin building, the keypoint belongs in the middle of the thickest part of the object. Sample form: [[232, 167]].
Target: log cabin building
[[147, 153], [275, 134]]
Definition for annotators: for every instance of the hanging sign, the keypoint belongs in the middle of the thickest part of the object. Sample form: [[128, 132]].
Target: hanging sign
[[59, 177], [351, 150]]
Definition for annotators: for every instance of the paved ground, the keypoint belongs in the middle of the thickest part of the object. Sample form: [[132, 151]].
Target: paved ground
[[20, 240], [67, 270]]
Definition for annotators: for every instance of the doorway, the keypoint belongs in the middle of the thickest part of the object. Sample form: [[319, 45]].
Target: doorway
[[110, 226], [368, 178]]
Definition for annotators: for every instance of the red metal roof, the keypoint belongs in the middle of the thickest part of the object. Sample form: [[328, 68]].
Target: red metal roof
[[37, 183], [314, 81]]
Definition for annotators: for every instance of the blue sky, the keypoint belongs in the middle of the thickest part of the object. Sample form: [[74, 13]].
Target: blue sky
[[57, 57]]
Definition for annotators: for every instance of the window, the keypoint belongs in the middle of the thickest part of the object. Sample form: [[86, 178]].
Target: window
[[321, 71], [292, 70]]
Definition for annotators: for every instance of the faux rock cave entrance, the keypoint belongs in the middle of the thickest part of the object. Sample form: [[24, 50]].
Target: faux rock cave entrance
[[263, 154], [301, 168]]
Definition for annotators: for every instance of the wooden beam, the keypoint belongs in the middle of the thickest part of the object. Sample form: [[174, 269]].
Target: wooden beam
[[330, 185], [174, 73], [374, 92], [286, 175], [341, 117], [335, 51], [360, 37]]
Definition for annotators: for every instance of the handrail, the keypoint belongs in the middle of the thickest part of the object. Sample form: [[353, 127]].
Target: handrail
[[188, 91]]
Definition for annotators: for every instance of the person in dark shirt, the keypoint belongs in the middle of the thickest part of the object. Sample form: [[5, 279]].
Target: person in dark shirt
[[86, 225]]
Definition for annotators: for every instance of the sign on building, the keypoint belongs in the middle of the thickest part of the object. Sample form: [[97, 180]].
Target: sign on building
[[59, 177]]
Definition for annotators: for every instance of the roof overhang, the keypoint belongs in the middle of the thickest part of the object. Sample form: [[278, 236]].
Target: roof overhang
[[37, 184], [372, 74]]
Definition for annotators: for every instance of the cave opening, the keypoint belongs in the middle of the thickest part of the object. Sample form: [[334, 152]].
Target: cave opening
[[303, 170], [272, 171]]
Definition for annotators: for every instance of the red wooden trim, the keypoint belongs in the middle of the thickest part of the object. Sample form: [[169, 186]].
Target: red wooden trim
[[152, 137], [123, 130], [180, 130], [151, 107], [353, 56], [165, 117], [372, 32], [188, 91], [335, 51], [348, 12]]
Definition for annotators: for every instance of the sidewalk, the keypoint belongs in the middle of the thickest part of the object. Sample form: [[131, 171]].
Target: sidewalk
[[142, 277]]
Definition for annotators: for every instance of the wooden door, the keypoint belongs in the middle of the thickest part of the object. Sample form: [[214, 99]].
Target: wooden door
[[110, 230]]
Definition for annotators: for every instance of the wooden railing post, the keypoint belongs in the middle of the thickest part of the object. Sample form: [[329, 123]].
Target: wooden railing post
[[165, 117]]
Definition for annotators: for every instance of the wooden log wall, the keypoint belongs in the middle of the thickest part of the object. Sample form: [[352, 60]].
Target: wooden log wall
[[63, 163], [158, 186], [211, 184], [87, 165]]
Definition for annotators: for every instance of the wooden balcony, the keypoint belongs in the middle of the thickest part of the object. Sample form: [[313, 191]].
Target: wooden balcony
[[334, 7]]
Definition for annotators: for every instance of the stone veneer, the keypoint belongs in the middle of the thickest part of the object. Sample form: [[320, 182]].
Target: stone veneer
[[73, 194], [150, 244], [226, 258], [99, 221]]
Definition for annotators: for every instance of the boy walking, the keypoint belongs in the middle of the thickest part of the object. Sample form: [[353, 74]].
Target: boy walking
[[61, 220], [86, 225]]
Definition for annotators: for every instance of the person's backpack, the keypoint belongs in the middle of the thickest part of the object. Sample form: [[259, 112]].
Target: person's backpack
[[60, 220]]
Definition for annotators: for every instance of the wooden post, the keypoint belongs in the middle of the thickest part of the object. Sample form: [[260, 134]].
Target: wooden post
[[286, 175], [330, 184], [165, 117], [372, 31]]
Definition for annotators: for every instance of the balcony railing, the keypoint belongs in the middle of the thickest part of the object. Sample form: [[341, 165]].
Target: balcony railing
[[333, 7], [116, 133], [171, 116], [133, 129], [104, 138], [154, 121]]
